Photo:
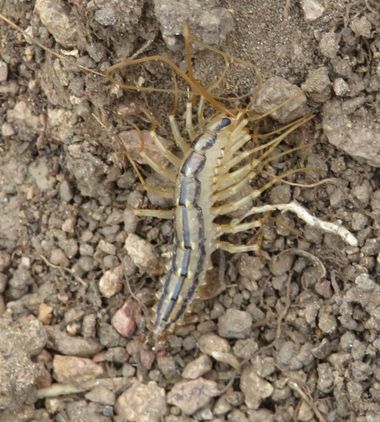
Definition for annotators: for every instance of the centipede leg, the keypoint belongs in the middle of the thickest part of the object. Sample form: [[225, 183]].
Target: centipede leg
[[168, 174], [200, 113], [144, 212], [182, 145], [236, 228], [228, 208], [231, 248], [176, 161], [189, 120]]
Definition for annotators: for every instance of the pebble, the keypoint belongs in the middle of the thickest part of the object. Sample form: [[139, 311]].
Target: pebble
[[65, 191], [197, 367], [359, 221], [329, 44], [69, 345], [210, 23], [142, 254], [250, 267], [276, 91], [111, 282], [5, 260], [361, 26], [124, 319], [75, 370], [351, 128], [54, 16], [340, 87], [3, 71], [142, 402], [7, 130], [45, 313], [325, 377], [130, 221], [106, 16], [254, 388], [245, 349], [235, 324], [100, 394], [312, 9], [167, 366], [58, 257], [317, 86], [210, 343], [191, 396], [327, 321], [106, 247]]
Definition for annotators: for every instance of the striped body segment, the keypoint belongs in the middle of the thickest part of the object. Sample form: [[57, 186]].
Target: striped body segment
[[194, 230]]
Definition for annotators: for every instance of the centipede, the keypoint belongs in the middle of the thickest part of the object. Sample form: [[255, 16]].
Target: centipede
[[215, 165]]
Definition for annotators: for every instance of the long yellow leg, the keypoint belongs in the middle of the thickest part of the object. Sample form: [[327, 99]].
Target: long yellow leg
[[176, 161], [189, 120], [231, 248], [169, 174], [226, 180], [236, 228], [184, 147], [232, 190], [144, 212], [228, 208]]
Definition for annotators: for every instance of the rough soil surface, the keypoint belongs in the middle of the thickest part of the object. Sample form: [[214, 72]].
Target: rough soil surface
[[294, 334]]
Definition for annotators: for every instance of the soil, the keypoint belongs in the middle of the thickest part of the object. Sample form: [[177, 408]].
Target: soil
[[294, 333]]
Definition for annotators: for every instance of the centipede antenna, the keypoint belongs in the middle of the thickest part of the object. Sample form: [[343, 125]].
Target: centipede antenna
[[186, 37], [193, 83]]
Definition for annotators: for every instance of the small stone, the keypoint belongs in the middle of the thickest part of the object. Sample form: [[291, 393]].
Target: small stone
[[359, 221], [254, 388], [68, 225], [65, 191], [5, 260], [327, 322], [365, 283], [191, 396], [58, 257], [54, 15], [130, 221], [111, 282], [107, 247], [329, 44], [142, 402], [245, 349], [197, 367], [235, 324], [305, 412], [210, 343], [124, 319], [280, 194], [69, 345], [45, 313], [325, 377], [340, 87], [74, 370], [250, 267], [167, 366], [361, 26], [7, 130], [3, 71], [102, 395], [278, 91], [317, 86], [106, 16], [312, 9], [142, 254]]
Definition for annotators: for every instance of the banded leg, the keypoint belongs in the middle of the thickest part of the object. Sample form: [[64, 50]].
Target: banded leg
[[233, 228], [184, 147], [172, 158], [145, 212], [231, 248], [168, 174], [228, 208], [189, 120]]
